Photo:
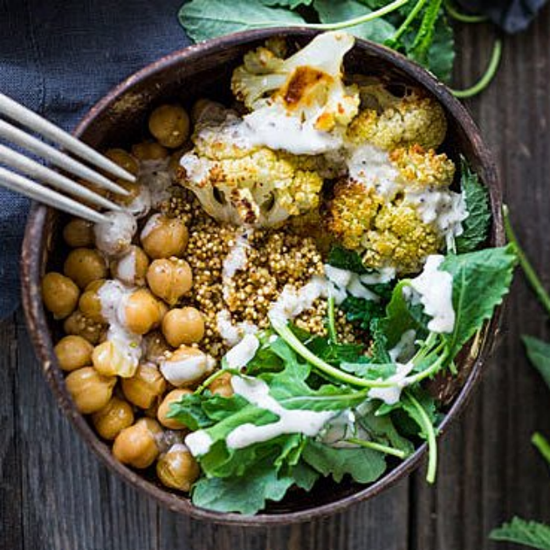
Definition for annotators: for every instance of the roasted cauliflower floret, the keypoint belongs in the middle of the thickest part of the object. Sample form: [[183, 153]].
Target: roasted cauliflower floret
[[422, 169], [299, 104], [389, 121], [395, 208], [399, 238], [352, 212], [257, 188]]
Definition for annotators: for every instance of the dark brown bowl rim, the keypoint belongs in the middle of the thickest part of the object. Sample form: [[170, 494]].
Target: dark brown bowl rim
[[33, 248]]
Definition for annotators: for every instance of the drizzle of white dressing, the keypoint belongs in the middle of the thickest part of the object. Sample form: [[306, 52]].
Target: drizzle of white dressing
[[152, 222], [141, 205], [196, 168], [291, 302], [274, 127], [372, 167], [198, 443], [233, 333], [187, 370], [446, 210], [236, 259], [434, 290], [126, 267], [340, 277], [383, 275], [399, 380], [112, 297], [256, 392], [241, 354], [155, 176], [405, 348], [114, 236], [356, 289], [348, 282]]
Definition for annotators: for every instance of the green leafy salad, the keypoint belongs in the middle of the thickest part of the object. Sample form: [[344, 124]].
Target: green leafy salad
[[351, 170]]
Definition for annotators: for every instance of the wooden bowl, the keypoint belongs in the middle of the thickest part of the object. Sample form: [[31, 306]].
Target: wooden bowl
[[120, 118]]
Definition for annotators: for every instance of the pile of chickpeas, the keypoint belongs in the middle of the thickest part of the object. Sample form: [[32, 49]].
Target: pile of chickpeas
[[129, 406]]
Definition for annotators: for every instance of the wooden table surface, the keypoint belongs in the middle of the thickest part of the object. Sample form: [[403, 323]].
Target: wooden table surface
[[55, 495]]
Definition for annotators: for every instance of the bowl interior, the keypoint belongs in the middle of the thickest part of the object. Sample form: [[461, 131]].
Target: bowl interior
[[120, 120]]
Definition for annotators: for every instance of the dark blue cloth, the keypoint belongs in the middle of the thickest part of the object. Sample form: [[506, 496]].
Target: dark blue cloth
[[59, 57], [511, 15]]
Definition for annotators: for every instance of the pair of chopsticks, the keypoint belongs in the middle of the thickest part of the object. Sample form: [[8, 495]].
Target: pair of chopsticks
[[34, 188]]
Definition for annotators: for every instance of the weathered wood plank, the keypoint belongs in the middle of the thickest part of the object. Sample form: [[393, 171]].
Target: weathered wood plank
[[70, 500], [11, 499], [488, 470]]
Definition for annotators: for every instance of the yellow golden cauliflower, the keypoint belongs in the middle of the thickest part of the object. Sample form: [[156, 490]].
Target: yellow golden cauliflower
[[389, 121]]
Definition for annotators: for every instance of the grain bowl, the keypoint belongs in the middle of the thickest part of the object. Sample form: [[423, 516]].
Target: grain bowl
[[302, 246]]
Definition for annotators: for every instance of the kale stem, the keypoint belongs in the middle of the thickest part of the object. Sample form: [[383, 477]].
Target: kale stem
[[463, 17], [432, 369], [542, 445], [429, 431], [405, 25], [332, 334], [396, 4], [530, 273], [486, 79], [290, 338], [213, 377], [378, 447]]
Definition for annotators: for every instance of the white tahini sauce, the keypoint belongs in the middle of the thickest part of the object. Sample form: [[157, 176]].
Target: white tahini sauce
[[232, 333], [372, 167], [405, 348], [126, 267], [155, 176], [188, 370], [434, 290], [115, 235], [241, 354], [236, 258], [348, 282], [256, 391], [291, 302], [112, 297], [445, 209], [198, 443], [152, 222], [392, 394]]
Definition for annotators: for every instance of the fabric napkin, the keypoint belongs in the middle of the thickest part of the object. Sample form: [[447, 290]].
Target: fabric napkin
[[58, 57]]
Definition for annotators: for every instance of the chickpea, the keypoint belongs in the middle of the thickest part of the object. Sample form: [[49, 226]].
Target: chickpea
[[136, 445], [155, 347], [170, 125], [79, 233], [183, 326], [110, 420], [222, 386], [73, 352], [142, 311], [124, 160], [60, 294], [90, 390], [170, 279], [145, 387], [164, 408], [149, 150], [131, 267], [177, 468], [79, 325], [84, 265], [206, 108], [163, 237], [89, 302], [186, 366], [110, 358]]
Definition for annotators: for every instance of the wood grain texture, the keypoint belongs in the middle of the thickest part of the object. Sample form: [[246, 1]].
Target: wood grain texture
[[54, 494]]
